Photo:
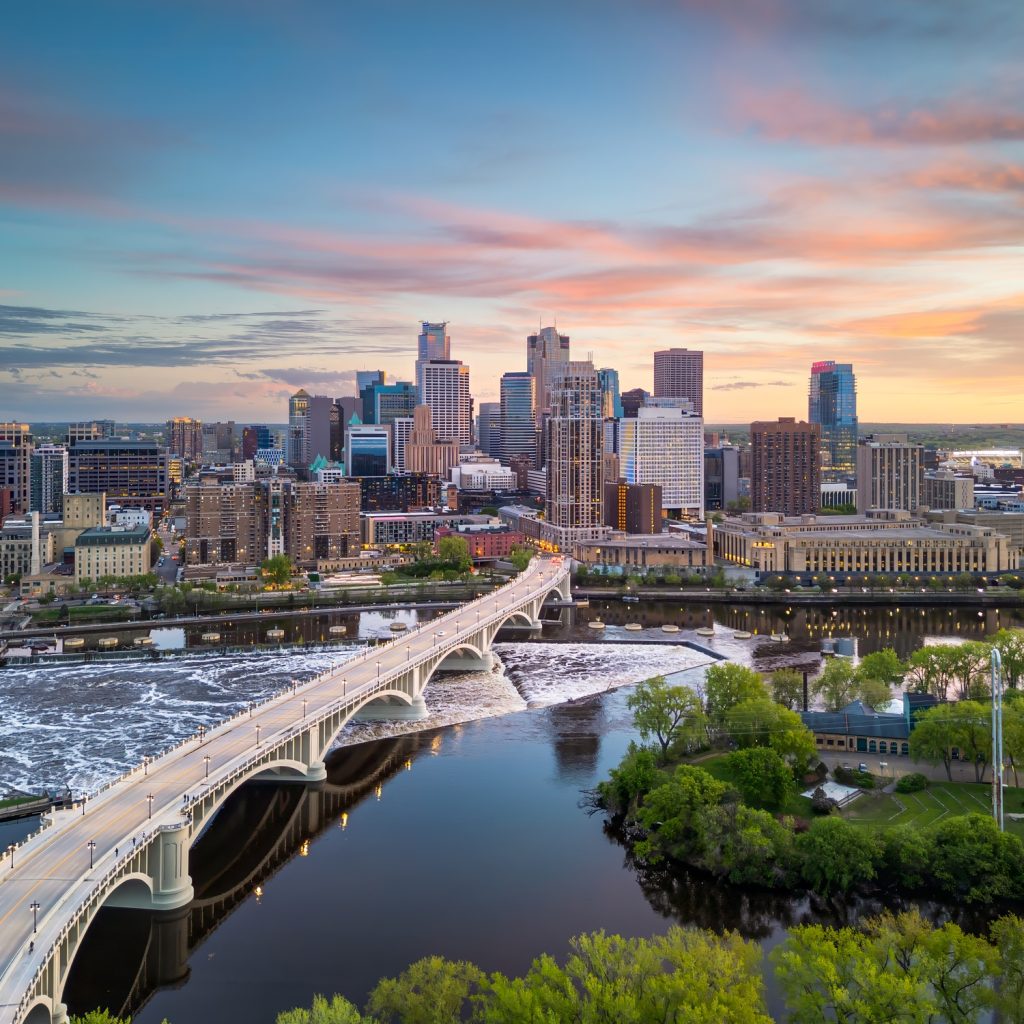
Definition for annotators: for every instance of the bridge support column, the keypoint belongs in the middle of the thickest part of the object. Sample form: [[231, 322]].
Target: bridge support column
[[466, 661], [390, 710], [168, 868], [60, 1014]]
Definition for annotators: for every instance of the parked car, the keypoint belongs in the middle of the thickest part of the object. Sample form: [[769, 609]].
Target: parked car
[[862, 767]]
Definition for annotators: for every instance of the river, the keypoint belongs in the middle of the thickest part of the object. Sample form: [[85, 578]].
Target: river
[[468, 841]]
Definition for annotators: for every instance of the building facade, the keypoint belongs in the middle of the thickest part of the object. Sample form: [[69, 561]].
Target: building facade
[[545, 352], [632, 508], [424, 453], [889, 473], [50, 468], [942, 489], [409, 493], [832, 405], [611, 401], [183, 436], [128, 472], [721, 478], [112, 551], [518, 417], [368, 450], [443, 386], [296, 452], [489, 429], [785, 470], [679, 373], [433, 341], [665, 446], [17, 445], [888, 542]]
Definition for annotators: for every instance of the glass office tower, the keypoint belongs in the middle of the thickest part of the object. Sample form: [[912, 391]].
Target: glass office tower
[[832, 404]]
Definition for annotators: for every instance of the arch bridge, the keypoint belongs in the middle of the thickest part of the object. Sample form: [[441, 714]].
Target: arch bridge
[[128, 845]]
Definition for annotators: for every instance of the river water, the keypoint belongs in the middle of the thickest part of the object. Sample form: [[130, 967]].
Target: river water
[[468, 841]]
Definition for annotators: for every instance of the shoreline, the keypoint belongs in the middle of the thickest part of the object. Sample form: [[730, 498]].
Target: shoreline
[[1009, 599]]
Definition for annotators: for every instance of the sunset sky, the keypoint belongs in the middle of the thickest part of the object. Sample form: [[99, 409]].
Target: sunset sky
[[206, 204]]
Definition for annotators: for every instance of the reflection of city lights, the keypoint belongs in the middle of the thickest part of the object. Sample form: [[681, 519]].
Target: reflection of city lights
[[258, 893], [344, 819], [408, 764], [435, 744], [304, 848], [378, 790]]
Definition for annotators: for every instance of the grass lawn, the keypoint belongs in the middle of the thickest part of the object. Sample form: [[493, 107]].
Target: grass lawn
[[938, 801], [15, 800], [795, 804], [83, 613]]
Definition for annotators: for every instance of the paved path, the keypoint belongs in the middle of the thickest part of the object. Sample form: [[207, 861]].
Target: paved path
[[53, 868]]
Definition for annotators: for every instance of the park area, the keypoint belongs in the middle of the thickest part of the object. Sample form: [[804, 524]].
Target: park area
[[925, 807]]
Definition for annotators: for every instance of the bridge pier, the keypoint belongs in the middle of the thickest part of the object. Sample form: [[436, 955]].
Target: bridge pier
[[389, 709], [467, 661]]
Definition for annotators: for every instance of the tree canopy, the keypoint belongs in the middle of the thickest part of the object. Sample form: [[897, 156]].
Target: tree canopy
[[671, 715]]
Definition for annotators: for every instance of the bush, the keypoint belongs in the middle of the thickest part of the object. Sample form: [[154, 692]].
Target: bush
[[820, 803], [912, 783], [850, 777]]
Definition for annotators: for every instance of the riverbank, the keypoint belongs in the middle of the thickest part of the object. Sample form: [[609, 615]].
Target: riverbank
[[844, 598]]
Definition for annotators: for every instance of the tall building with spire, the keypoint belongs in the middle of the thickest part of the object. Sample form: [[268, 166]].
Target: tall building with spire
[[832, 404], [433, 342], [298, 411], [545, 352]]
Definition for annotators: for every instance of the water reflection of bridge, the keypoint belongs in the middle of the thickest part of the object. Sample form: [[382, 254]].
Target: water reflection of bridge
[[128, 955]]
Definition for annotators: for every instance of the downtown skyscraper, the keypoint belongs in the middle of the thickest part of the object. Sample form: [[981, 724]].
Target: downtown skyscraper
[[433, 342], [679, 373], [575, 435], [546, 352], [443, 386], [832, 404]]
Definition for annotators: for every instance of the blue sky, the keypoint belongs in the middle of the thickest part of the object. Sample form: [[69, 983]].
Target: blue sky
[[204, 205]]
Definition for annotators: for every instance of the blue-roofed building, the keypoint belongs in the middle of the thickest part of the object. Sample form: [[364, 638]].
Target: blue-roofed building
[[860, 729]]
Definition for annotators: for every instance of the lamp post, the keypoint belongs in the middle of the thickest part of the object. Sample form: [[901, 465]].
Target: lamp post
[[257, 734], [202, 734], [304, 703], [150, 798], [92, 846], [145, 764], [10, 850], [34, 907], [378, 671], [206, 761]]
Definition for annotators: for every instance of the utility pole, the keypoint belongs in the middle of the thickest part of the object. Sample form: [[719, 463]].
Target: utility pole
[[997, 738]]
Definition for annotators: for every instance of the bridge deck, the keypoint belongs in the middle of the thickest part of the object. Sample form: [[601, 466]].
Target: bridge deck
[[52, 868]]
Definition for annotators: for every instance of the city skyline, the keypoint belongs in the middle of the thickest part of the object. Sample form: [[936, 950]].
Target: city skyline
[[773, 184]]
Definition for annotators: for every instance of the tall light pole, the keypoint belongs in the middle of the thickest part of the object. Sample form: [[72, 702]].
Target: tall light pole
[[257, 734], [92, 846], [997, 738], [304, 703], [150, 798], [145, 764], [10, 850], [34, 907], [206, 761], [202, 733]]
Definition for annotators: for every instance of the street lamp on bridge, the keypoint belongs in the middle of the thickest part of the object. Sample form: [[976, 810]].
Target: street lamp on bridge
[[150, 798], [202, 733], [257, 734], [92, 846], [305, 701], [10, 850], [378, 671], [34, 907], [206, 760], [145, 764]]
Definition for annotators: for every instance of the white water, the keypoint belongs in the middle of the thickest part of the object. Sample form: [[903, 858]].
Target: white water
[[78, 725]]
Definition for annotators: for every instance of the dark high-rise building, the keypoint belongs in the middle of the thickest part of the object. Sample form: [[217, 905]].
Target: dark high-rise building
[[489, 433], [679, 373], [832, 404], [433, 342], [319, 417], [366, 382], [633, 400], [253, 438], [295, 450], [132, 473], [786, 476], [393, 401], [49, 478], [183, 437], [611, 402], [633, 508], [721, 477], [398, 493], [218, 442], [518, 417]]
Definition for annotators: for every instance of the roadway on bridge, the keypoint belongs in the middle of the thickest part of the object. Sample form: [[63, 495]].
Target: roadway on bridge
[[53, 870]]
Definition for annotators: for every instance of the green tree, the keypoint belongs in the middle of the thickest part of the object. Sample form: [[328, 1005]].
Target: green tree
[[761, 776], [787, 687], [1010, 645], [934, 736], [726, 684], [875, 693], [759, 722], [337, 1011], [884, 665], [520, 557], [973, 735], [635, 776], [837, 684], [970, 667], [904, 855], [672, 813], [430, 991], [671, 715], [835, 855], [747, 845], [454, 552], [971, 860], [100, 1017], [685, 975], [277, 570], [1008, 939], [933, 670]]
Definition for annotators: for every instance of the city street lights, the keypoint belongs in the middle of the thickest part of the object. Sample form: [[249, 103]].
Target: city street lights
[[92, 846], [202, 733], [206, 761], [304, 703], [34, 907], [378, 671], [10, 850], [150, 798], [145, 764], [257, 734]]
